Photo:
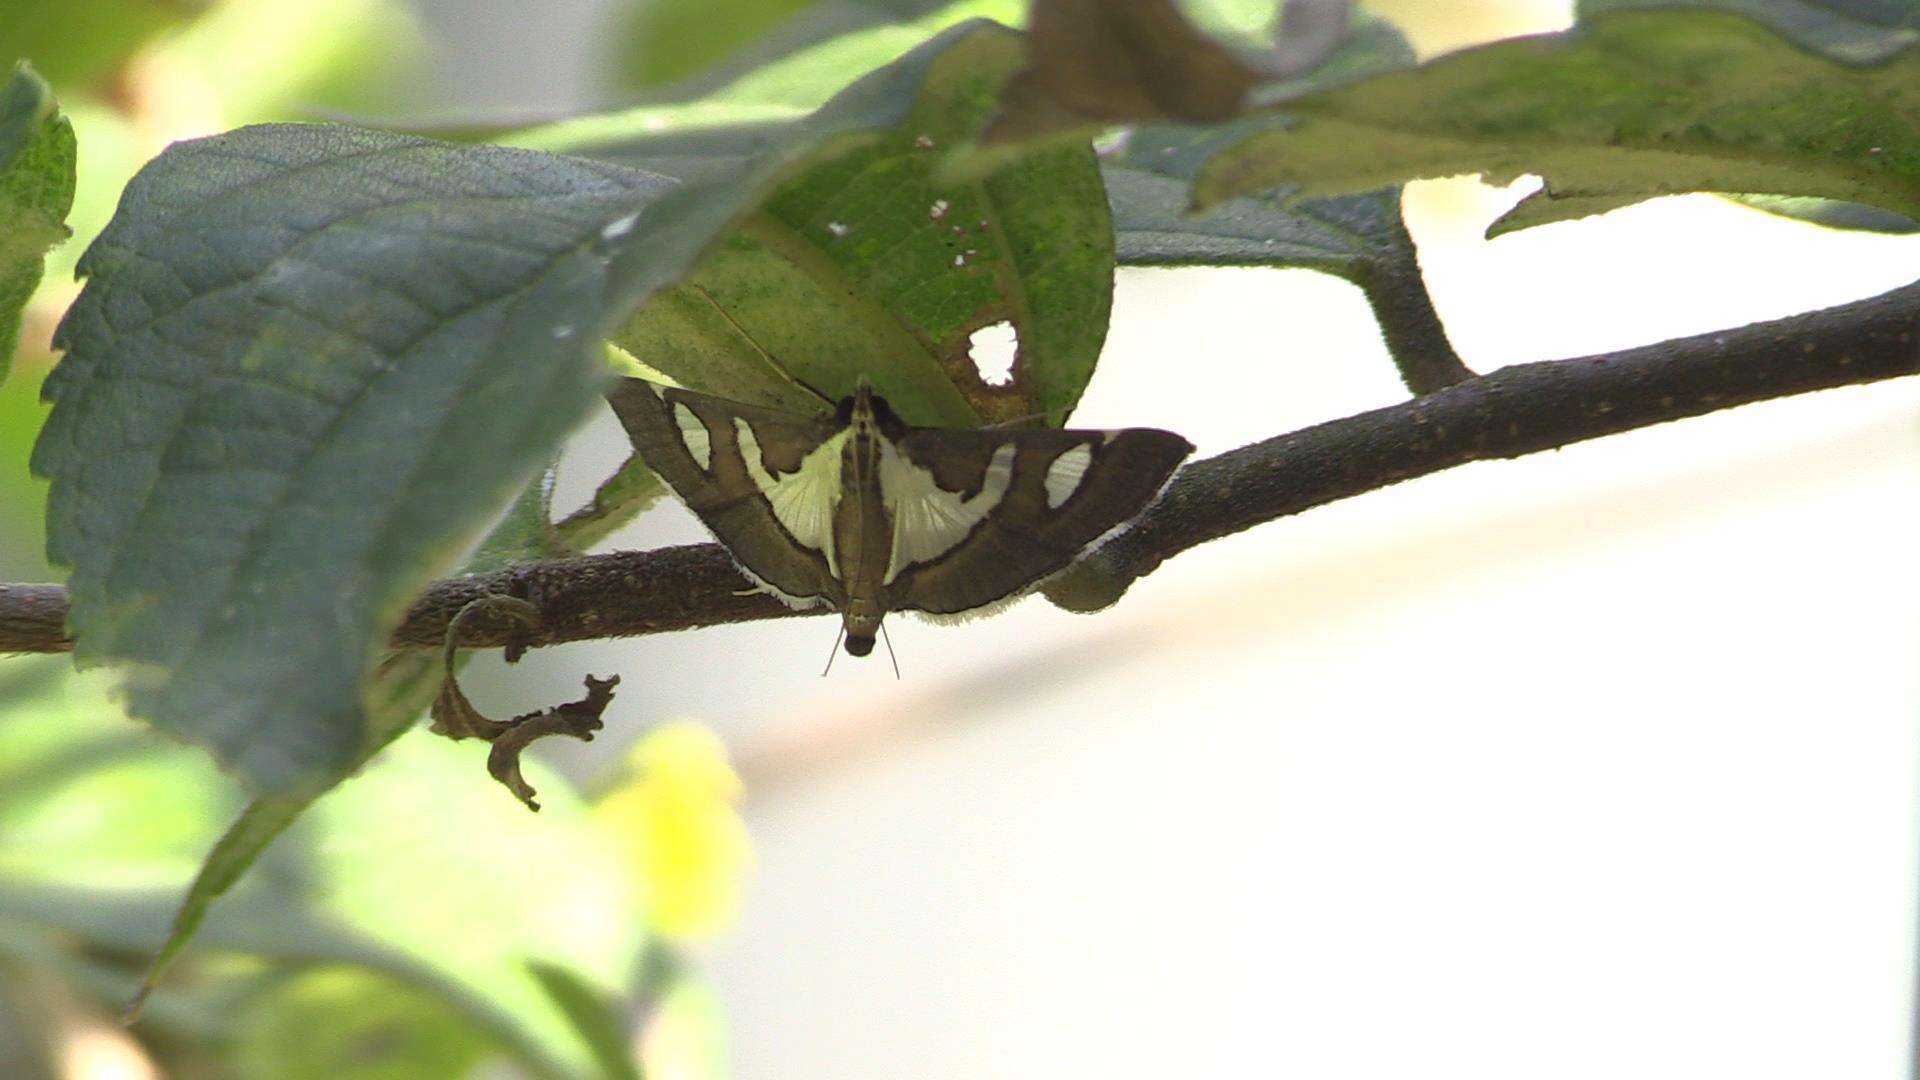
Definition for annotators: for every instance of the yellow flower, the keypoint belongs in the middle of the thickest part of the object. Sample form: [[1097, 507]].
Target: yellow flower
[[676, 816]]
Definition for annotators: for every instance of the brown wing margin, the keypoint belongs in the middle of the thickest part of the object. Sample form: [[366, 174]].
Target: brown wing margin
[[721, 492], [1023, 539]]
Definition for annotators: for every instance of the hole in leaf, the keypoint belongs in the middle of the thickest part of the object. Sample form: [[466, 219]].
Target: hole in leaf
[[992, 349]]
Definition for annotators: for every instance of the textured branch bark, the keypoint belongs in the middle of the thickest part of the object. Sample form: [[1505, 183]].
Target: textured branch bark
[[1515, 411], [33, 618]]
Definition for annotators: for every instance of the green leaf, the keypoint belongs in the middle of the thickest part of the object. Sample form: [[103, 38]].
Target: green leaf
[[619, 499], [1153, 228], [1150, 172], [681, 50], [869, 266], [524, 534], [1849, 31], [402, 688], [36, 191], [402, 860], [67, 759], [1833, 215], [344, 1023], [384, 873], [309, 362], [1628, 105], [83, 42], [258, 826], [805, 60], [780, 80], [671, 41], [599, 1017], [271, 59]]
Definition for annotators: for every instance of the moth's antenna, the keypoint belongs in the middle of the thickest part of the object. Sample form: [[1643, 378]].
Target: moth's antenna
[[884, 636], [778, 368], [1016, 421], [836, 650]]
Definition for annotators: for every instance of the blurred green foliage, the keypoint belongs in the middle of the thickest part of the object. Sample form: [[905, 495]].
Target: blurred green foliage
[[333, 959], [677, 39], [81, 46]]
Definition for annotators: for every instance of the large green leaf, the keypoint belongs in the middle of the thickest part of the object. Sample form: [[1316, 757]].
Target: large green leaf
[[308, 364], [36, 191], [868, 266], [1629, 104], [309, 361]]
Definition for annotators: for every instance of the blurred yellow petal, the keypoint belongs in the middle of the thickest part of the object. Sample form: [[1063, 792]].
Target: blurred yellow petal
[[676, 817]]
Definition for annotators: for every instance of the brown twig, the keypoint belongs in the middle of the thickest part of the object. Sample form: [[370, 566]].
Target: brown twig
[[33, 618], [1511, 412]]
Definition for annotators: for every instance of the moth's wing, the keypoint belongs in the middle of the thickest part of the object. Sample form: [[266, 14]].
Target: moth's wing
[[981, 514], [765, 482]]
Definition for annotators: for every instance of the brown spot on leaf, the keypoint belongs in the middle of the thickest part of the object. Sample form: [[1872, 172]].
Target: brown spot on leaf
[[1004, 399]]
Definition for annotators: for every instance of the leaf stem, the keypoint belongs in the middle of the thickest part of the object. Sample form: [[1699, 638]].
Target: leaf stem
[[1416, 339]]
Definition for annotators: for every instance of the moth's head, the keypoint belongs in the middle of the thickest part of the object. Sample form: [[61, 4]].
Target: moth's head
[[861, 625]]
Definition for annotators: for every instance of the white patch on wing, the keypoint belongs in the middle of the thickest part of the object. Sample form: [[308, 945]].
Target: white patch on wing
[[927, 521], [803, 502], [1065, 473], [694, 435]]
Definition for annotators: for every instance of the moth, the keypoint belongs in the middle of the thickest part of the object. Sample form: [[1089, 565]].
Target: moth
[[860, 511]]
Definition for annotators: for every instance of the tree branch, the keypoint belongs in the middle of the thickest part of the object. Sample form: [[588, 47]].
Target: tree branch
[[1515, 411], [1506, 414], [33, 618]]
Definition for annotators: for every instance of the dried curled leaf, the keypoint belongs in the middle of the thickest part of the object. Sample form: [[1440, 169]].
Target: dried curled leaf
[[455, 716], [578, 719]]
